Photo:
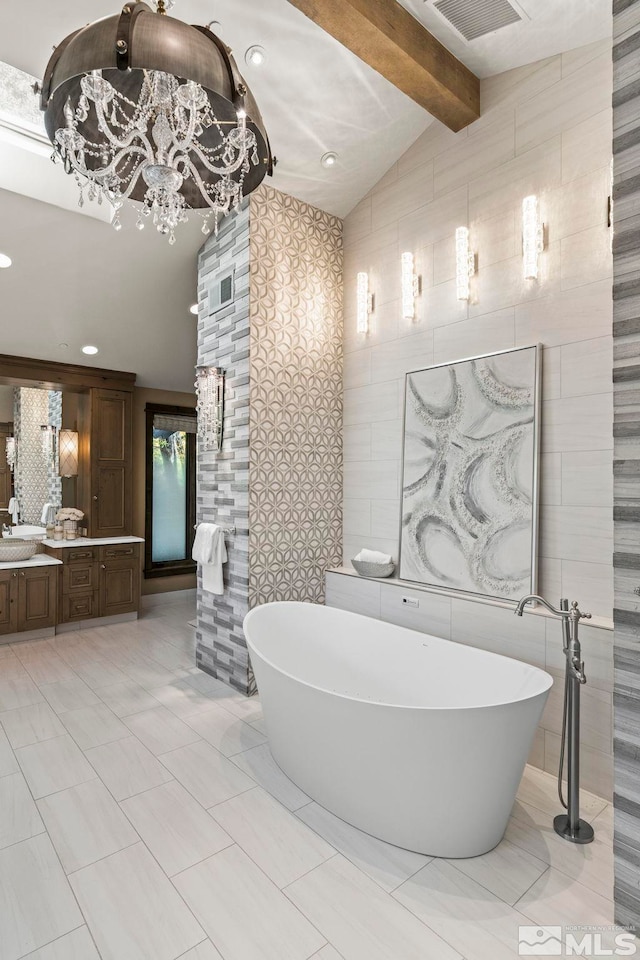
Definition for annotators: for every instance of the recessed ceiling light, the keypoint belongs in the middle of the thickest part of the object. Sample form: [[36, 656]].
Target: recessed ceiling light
[[89, 349], [5, 261], [329, 159], [255, 55], [194, 309]]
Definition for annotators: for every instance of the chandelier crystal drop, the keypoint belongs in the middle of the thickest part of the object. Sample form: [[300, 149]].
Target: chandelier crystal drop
[[188, 136]]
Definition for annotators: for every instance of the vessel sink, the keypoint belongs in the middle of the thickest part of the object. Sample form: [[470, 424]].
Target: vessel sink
[[25, 530], [13, 549]]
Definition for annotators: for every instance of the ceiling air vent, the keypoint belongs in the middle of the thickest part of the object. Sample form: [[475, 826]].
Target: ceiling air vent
[[474, 19]]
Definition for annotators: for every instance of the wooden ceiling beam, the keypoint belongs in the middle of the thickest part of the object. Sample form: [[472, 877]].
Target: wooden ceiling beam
[[386, 37]]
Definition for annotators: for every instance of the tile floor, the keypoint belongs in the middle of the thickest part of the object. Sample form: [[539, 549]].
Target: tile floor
[[143, 818]]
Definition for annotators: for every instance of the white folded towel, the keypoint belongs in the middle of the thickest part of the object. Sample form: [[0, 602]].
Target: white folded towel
[[209, 550], [45, 512], [373, 556], [14, 510]]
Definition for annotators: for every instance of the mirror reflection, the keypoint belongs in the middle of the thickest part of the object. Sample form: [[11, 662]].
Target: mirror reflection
[[38, 456]]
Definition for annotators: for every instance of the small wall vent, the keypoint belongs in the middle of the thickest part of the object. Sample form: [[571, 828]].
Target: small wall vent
[[221, 290], [475, 19]]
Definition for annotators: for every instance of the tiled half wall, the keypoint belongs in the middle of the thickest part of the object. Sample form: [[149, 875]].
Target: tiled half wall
[[545, 129], [278, 478]]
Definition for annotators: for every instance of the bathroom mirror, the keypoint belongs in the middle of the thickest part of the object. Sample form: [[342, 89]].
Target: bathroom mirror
[[31, 420]]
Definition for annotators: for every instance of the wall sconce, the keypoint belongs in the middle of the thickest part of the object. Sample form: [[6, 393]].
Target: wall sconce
[[68, 453], [532, 237], [210, 406], [410, 287], [48, 436], [465, 263], [11, 451], [364, 303]]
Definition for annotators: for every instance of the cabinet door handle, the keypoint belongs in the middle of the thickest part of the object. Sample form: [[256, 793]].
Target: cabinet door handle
[[14, 575], [95, 496], [104, 566], [22, 574]]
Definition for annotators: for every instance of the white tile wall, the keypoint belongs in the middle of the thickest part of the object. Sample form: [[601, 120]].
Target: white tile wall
[[546, 128]]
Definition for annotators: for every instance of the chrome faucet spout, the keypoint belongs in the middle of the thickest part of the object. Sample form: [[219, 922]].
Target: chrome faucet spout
[[534, 598]]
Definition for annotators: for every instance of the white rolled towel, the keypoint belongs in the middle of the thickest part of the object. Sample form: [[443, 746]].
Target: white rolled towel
[[373, 556], [209, 550]]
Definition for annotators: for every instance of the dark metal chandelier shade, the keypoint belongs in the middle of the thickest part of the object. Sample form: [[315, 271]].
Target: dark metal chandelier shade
[[141, 106]]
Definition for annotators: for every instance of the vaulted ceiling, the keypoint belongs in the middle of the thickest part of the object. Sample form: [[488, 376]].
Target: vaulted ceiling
[[76, 281]]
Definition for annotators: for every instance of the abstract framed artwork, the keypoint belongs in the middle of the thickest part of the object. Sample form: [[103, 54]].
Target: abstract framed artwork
[[470, 474]]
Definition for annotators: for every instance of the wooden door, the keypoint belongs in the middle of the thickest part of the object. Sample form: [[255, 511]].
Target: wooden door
[[110, 464], [8, 604], [119, 586], [37, 595]]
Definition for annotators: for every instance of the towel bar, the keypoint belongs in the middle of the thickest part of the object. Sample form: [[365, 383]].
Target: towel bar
[[229, 530]]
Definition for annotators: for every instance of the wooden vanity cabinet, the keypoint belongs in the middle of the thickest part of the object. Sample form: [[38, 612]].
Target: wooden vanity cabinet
[[105, 491], [119, 584], [98, 581], [37, 598], [28, 599], [8, 605]]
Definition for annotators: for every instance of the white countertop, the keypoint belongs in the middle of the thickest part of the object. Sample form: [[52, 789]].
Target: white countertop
[[91, 542], [38, 560]]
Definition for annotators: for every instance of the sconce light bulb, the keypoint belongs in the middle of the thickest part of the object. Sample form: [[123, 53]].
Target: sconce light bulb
[[532, 237], [364, 304], [465, 263], [410, 286]]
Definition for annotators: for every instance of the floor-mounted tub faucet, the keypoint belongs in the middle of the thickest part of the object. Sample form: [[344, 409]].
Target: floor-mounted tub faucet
[[569, 825]]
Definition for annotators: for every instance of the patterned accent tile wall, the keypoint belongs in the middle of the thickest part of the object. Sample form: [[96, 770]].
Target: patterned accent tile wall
[[295, 491], [626, 378], [223, 478], [278, 478]]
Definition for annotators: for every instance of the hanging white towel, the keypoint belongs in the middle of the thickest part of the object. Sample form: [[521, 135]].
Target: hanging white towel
[[209, 550], [45, 512], [14, 510]]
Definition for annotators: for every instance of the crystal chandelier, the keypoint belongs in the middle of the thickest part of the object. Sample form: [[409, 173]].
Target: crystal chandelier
[[143, 107]]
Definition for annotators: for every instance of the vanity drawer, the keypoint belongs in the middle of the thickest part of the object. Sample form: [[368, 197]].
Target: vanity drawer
[[78, 554], [119, 551], [79, 577], [79, 607]]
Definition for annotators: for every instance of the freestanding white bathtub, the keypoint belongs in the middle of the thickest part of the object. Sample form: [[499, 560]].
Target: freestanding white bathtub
[[416, 740]]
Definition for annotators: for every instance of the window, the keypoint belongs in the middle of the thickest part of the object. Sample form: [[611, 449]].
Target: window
[[170, 490]]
